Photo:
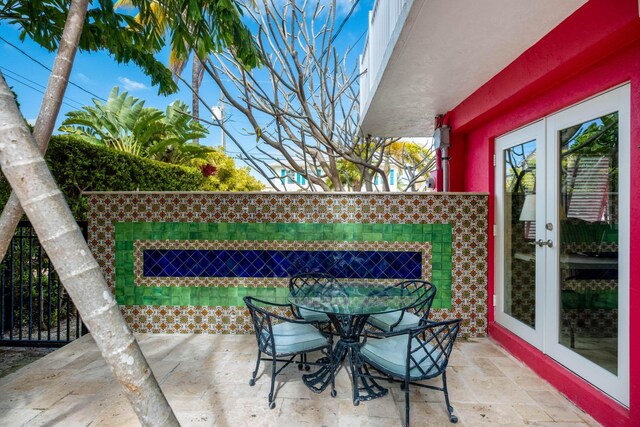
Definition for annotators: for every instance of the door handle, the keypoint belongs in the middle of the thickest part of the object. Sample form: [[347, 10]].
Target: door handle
[[542, 243]]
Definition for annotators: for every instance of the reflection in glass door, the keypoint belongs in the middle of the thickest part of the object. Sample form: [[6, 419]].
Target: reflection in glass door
[[588, 243], [520, 233]]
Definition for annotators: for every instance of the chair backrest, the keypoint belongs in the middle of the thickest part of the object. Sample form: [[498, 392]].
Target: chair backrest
[[429, 348], [262, 325], [425, 290], [299, 282]]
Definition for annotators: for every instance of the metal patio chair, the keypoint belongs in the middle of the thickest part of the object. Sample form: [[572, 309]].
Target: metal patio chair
[[282, 339], [410, 317], [411, 355], [296, 283]]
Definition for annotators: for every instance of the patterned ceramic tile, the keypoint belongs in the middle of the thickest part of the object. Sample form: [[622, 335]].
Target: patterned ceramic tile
[[458, 262]]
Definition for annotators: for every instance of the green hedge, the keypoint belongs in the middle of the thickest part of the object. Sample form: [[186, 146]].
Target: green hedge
[[79, 166]]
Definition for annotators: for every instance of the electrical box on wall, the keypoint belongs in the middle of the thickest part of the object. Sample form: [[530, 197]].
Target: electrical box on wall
[[441, 137]]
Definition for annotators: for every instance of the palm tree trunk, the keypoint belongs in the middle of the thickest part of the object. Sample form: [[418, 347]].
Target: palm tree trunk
[[24, 167], [197, 73], [49, 109]]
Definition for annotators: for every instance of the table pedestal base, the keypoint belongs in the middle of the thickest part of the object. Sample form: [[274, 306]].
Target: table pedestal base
[[349, 328]]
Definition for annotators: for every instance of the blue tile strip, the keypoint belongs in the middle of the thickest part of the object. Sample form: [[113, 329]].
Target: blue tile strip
[[281, 264]]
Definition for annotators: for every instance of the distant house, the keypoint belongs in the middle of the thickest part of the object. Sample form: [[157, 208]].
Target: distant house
[[290, 180], [538, 104]]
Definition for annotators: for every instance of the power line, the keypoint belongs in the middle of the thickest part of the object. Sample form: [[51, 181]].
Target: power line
[[37, 90], [342, 24], [16, 76], [49, 69]]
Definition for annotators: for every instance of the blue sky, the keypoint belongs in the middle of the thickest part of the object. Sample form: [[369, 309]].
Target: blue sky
[[98, 73]]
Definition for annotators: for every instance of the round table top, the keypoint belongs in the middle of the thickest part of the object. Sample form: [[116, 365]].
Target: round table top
[[352, 298]]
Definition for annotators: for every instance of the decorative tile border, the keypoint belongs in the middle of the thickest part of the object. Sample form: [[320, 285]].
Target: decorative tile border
[[273, 215], [190, 319]]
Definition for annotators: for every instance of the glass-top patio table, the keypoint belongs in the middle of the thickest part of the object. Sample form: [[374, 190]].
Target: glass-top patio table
[[348, 305]]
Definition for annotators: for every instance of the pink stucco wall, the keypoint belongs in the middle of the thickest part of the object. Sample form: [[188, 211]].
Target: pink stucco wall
[[595, 49]]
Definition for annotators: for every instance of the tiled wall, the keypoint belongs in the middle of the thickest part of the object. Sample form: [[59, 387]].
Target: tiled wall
[[181, 263]]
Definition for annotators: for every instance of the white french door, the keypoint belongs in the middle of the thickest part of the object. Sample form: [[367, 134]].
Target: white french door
[[562, 245], [519, 210]]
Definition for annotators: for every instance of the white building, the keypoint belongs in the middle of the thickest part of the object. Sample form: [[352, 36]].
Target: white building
[[290, 180]]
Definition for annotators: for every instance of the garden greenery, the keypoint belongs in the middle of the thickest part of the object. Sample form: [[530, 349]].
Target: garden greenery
[[79, 166]]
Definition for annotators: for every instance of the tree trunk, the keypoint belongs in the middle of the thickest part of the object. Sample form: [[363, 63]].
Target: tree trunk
[[197, 74], [24, 167], [49, 109]]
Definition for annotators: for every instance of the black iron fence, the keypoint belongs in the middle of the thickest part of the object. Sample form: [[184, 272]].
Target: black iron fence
[[35, 309]]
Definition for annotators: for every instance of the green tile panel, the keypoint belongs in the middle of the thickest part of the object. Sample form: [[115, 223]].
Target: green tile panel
[[127, 293]]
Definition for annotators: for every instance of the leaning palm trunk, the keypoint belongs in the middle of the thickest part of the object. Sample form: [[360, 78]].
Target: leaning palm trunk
[[49, 109], [24, 167], [197, 74]]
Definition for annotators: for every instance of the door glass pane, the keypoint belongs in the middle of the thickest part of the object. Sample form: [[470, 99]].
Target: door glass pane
[[520, 232], [588, 248]]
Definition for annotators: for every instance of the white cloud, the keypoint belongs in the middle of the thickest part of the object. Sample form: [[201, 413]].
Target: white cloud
[[83, 78], [131, 85], [344, 6]]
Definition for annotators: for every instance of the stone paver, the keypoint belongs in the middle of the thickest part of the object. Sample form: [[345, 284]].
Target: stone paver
[[205, 379]]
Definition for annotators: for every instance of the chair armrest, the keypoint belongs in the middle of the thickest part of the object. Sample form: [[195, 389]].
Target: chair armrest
[[288, 304], [277, 316], [387, 334], [367, 334], [397, 322]]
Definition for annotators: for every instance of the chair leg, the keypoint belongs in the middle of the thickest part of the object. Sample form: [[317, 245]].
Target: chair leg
[[303, 364], [272, 403], [354, 364], [452, 417], [406, 402], [252, 381], [333, 380]]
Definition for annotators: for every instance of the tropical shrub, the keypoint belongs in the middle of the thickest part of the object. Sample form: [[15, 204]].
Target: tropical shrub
[[79, 166], [225, 176], [125, 124]]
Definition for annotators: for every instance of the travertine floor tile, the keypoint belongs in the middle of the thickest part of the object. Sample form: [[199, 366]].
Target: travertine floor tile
[[496, 414], [206, 380], [532, 413], [17, 417]]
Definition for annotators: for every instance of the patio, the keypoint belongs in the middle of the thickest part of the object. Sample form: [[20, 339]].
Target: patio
[[205, 378]]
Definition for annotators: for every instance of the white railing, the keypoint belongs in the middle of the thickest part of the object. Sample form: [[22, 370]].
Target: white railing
[[382, 23]]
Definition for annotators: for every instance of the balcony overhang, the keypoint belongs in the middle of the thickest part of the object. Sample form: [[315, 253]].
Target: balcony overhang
[[445, 51]]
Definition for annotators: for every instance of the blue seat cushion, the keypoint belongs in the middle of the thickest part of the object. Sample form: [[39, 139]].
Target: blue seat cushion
[[290, 338], [384, 321], [313, 316], [391, 355]]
